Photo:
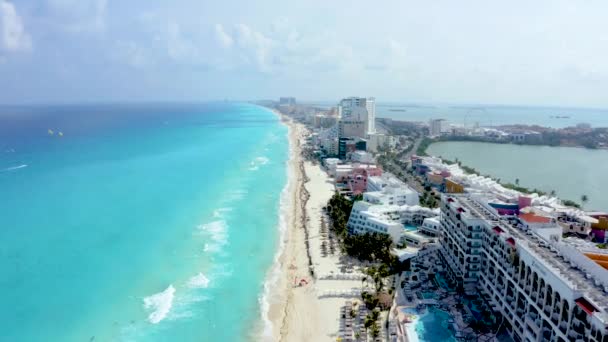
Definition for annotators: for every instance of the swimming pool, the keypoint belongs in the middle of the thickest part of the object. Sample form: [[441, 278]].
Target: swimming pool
[[431, 326], [410, 228], [429, 295]]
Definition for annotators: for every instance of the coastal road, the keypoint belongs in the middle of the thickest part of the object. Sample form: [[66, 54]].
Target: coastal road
[[413, 150]]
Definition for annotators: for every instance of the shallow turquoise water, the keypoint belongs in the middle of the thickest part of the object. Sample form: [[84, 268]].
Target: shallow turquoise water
[[147, 223]]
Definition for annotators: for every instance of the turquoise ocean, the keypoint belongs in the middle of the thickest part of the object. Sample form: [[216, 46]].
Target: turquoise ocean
[[156, 222]]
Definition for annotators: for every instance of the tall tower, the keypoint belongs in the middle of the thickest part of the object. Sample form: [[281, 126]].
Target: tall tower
[[370, 105]]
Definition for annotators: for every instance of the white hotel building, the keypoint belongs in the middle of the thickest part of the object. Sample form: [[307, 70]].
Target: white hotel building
[[367, 217], [359, 109], [545, 288]]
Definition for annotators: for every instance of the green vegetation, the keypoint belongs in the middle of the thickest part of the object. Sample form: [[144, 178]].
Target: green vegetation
[[523, 189], [424, 144], [371, 323], [429, 200], [511, 186], [602, 246], [591, 140], [377, 274], [339, 208], [571, 203], [370, 300], [370, 246], [373, 247], [390, 162]]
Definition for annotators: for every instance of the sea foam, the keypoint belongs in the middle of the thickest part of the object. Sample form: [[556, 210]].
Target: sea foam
[[14, 168], [159, 304], [198, 281], [262, 160], [235, 195], [273, 276], [257, 162], [217, 231], [220, 213]]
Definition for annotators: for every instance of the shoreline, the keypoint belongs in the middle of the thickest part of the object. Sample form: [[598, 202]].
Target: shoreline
[[434, 141], [297, 308], [508, 176], [292, 258], [311, 280]]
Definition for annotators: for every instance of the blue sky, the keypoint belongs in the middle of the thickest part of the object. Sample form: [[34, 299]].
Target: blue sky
[[516, 52]]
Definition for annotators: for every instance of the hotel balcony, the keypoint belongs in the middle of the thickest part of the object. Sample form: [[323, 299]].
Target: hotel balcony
[[573, 335], [546, 334], [532, 324]]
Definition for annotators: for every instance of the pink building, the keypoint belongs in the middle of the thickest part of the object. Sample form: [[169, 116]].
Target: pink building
[[357, 179]]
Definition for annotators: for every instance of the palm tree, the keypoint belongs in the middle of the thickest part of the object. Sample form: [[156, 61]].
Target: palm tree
[[584, 199], [517, 181], [375, 330], [552, 193], [378, 282], [369, 321]]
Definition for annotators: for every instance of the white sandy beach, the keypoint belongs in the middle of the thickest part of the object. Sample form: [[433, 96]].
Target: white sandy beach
[[302, 313]]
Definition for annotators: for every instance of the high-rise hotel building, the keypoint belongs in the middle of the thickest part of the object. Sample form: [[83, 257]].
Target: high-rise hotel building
[[544, 288]]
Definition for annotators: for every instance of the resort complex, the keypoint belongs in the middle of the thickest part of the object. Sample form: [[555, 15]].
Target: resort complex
[[543, 287], [470, 259]]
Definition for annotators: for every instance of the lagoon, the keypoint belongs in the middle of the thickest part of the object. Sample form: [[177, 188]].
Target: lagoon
[[570, 171]]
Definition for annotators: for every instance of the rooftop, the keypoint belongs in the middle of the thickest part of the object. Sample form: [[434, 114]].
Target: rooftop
[[576, 270], [531, 218]]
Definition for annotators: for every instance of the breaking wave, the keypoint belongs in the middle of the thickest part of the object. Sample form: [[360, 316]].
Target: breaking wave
[[273, 276], [159, 304], [257, 162], [199, 281], [218, 234], [14, 168]]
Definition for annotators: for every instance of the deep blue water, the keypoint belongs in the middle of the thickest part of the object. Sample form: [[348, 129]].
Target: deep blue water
[[141, 222]]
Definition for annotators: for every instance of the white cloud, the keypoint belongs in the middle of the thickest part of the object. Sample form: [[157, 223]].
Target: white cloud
[[255, 45], [133, 54], [223, 38], [81, 16], [181, 48], [14, 37]]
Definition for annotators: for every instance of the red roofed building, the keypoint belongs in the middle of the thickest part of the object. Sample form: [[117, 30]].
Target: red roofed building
[[535, 221]]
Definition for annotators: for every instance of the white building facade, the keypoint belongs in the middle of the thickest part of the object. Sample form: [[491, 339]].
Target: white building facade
[[543, 288], [367, 217], [437, 127], [376, 141], [357, 116], [370, 105]]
